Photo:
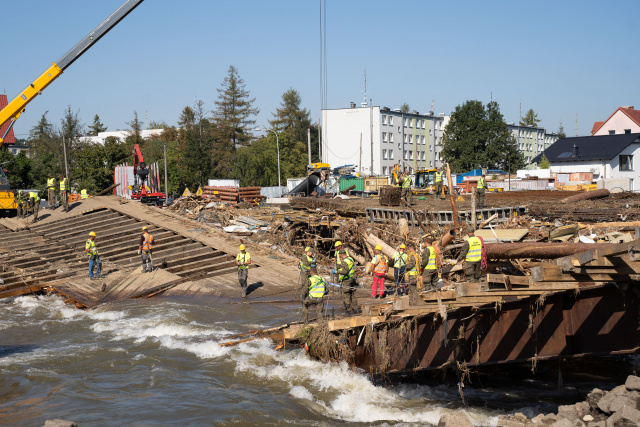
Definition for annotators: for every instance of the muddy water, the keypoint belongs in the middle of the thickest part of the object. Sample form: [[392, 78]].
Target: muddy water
[[157, 363]]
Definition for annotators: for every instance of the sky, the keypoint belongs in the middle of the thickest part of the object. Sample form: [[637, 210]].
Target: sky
[[563, 59]]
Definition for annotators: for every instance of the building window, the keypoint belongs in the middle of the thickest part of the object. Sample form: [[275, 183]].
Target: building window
[[627, 131], [612, 132], [384, 170], [384, 136], [626, 162], [384, 154], [406, 122], [390, 137], [422, 140], [390, 120], [410, 139], [406, 138], [384, 119], [410, 155], [390, 154]]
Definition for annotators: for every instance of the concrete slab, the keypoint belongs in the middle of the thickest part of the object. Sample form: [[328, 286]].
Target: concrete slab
[[513, 235]]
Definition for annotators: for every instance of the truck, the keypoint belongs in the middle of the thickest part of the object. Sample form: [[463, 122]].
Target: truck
[[17, 106]]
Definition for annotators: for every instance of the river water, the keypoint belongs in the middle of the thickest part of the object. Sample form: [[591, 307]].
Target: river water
[[157, 362]]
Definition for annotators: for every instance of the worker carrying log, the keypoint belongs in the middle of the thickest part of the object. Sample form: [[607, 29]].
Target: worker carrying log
[[243, 260], [347, 277], [64, 199], [437, 179], [412, 273], [145, 249], [472, 254], [94, 258], [307, 261], [22, 202], [34, 204], [380, 264], [51, 192], [406, 188], [316, 289], [399, 263], [480, 189], [429, 266]]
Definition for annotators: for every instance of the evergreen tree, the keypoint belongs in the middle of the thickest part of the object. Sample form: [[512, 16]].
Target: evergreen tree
[[135, 131], [96, 127], [561, 133], [195, 142], [530, 119], [233, 120], [291, 117], [44, 150], [544, 162]]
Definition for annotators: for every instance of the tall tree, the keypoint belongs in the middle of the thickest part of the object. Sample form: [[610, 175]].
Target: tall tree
[[477, 136], [530, 119], [233, 119], [291, 117], [195, 143], [97, 126], [44, 149], [404, 108], [135, 130], [561, 133]]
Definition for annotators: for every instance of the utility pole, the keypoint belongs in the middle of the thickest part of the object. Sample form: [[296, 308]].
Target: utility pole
[[371, 131], [166, 181], [309, 143]]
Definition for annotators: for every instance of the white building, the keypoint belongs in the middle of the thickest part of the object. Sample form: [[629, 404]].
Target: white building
[[606, 156], [120, 135], [531, 140], [376, 138], [623, 120]]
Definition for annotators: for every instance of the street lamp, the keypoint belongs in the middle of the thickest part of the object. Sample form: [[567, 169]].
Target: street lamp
[[277, 148]]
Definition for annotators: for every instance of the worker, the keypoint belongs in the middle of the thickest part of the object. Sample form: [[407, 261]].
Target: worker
[[21, 204], [144, 250], [64, 201], [429, 266], [412, 271], [399, 262], [480, 189], [84, 195], [316, 288], [307, 261], [380, 265], [94, 258], [437, 179], [51, 192], [472, 254], [347, 277], [243, 260], [406, 188], [340, 247], [34, 204]]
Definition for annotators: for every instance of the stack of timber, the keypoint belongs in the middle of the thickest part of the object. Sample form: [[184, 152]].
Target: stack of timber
[[250, 194], [233, 195], [390, 195]]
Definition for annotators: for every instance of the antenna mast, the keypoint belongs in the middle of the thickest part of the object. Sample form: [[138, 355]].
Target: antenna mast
[[364, 103]]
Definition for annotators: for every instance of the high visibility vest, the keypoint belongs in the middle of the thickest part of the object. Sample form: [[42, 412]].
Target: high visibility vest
[[415, 271], [34, 196], [243, 258], [481, 184], [379, 264], [90, 244], [63, 184], [19, 197], [399, 259], [83, 194], [352, 270], [51, 184], [475, 249], [438, 177], [338, 261], [431, 265], [311, 261], [407, 182], [317, 287], [147, 244]]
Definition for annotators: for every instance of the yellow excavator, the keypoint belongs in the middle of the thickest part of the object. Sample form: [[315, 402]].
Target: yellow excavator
[[16, 107], [424, 183]]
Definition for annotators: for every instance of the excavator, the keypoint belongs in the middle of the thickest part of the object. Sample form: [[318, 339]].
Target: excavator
[[16, 107], [424, 183], [139, 190]]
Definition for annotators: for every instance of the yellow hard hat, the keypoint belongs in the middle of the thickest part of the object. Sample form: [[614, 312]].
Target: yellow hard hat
[[378, 248], [242, 247], [307, 249], [402, 246], [144, 228], [93, 234], [338, 243]]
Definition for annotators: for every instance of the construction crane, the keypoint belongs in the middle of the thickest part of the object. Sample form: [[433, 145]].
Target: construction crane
[[17, 106], [139, 190]]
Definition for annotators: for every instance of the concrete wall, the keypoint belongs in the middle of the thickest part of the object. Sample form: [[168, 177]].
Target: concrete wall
[[618, 123], [616, 185]]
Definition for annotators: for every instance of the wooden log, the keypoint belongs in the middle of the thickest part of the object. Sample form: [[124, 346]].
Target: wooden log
[[589, 195], [538, 250], [386, 249], [456, 221], [487, 221]]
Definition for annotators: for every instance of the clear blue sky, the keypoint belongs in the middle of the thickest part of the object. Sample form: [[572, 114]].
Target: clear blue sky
[[560, 58]]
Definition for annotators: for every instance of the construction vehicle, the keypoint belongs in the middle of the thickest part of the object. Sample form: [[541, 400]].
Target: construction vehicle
[[16, 107], [139, 190], [424, 181], [8, 202]]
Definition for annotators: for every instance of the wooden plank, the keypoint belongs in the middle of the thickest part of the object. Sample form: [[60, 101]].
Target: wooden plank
[[353, 322], [555, 274], [444, 295], [21, 291], [513, 280]]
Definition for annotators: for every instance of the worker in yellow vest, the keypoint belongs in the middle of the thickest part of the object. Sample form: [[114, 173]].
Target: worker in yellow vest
[[22, 203], [480, 189], [406, 188], [84, 195], [412, 271], [307, 261], [472, 254], [399, 263], [347, 277], [64, 200], [243, 260], [34, 204], [94, 258], [51, 192], [144, 250], [380, 265], [437, 179], [429, 266], [316, 288]]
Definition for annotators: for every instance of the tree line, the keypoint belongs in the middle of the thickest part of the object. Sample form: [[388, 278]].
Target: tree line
[[222, 143]]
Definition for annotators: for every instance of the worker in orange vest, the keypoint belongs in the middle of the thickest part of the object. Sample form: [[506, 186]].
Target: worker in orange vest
[[145, 248], [380, 265]]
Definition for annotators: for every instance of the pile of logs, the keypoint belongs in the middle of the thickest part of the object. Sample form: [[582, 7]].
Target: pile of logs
[[233, 195]]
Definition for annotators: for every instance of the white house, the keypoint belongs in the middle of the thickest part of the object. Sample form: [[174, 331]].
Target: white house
[[623, 120], [607, 156]]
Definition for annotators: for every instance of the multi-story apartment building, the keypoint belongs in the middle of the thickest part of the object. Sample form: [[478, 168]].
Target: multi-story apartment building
[[376, 138], [531, 140]]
